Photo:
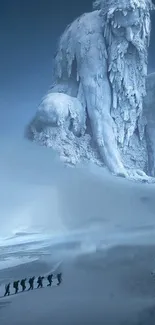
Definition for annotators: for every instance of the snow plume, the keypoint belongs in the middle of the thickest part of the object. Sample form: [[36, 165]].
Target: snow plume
[[127, 33]]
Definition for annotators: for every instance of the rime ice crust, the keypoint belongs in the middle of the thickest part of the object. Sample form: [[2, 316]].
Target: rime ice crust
[[64, 130], [94, 110]]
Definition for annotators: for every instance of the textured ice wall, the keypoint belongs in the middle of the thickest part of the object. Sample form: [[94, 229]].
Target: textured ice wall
[[149, 109]]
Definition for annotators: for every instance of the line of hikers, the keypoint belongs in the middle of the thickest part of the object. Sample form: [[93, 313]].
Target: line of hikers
[[31, 283]]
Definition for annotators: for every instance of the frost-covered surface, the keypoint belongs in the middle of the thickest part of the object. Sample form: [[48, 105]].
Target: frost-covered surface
[[60, 123], [101, 65], [59, 109], [149, 107], [72, 150]]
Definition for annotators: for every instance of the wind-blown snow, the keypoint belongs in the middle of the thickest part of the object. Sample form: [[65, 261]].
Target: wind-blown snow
[[51, 206]]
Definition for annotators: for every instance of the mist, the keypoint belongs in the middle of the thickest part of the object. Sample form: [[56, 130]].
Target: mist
[[28, 195], [39, 194]]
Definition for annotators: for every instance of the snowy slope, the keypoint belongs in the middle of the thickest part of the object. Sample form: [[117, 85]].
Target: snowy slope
[[112, 289]]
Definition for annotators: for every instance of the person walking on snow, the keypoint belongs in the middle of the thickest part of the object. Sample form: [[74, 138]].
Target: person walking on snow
[[7, 290], [31, 283], [59, 278], [49, 278], [16, 286], [23, 285], [40, 282]]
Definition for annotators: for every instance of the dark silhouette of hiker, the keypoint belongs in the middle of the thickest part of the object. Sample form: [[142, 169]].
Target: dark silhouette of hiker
[[7, 290], [59, 278], [31, 283], [23, 285], [40, 282], [16, 286], [49, 278]]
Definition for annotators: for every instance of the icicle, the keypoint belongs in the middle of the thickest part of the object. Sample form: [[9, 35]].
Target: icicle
[[114, 100], [111, 11], [105, 54], [147, 25], [77, 76], [126, 115], [141, 126], [121, 134]]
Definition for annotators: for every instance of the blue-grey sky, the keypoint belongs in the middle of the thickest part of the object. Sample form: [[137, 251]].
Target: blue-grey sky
[[29, 30]]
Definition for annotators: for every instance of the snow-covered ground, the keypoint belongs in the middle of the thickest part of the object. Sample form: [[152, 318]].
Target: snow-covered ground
[[111, 289], [101, 229]]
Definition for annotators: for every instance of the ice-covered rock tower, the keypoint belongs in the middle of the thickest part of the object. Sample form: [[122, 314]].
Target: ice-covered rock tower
[[94, 109]]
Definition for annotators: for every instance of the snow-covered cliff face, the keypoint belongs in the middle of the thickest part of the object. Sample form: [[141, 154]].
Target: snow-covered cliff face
[[75, 149], [149, 109], [94, 110]]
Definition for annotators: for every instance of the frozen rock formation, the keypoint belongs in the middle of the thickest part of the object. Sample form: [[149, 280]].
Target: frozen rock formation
[[94, 109], [149, 111]]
